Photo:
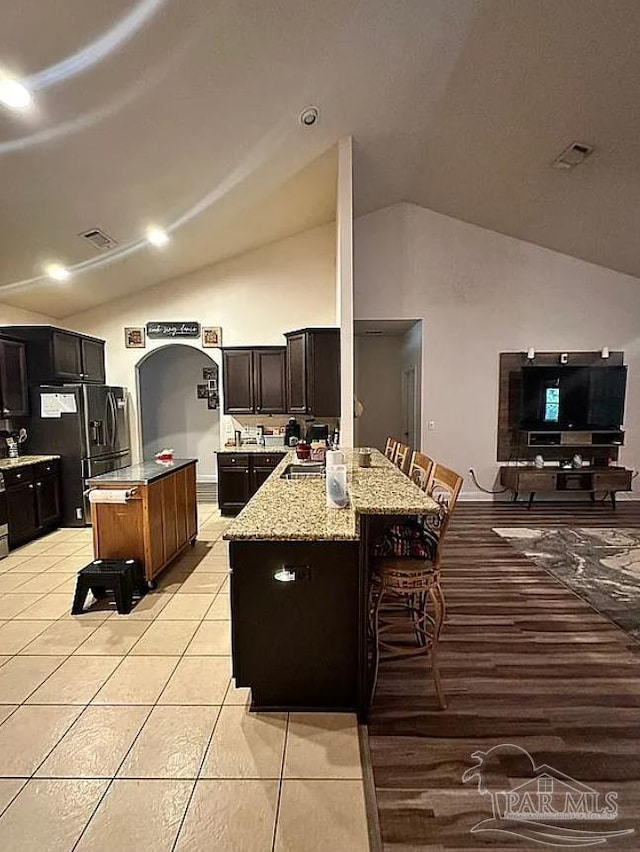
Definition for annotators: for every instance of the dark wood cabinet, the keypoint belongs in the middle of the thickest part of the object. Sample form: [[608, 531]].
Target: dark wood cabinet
[[47, 493], [239, 477], [14, 395], [93, 366], [21, 513], [312, 623], [67, 356], [237, 381], [269, 380], [254, 380], [33, 500], [313, 372], [56, 355], [233, 482]]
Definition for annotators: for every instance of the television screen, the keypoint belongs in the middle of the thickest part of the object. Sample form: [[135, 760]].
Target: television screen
[[568, 397]]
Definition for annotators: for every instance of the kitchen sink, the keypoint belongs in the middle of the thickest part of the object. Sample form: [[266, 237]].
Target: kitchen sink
[[307, 470]]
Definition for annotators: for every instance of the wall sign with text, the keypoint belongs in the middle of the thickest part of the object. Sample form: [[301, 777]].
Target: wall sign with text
[[156, 330]]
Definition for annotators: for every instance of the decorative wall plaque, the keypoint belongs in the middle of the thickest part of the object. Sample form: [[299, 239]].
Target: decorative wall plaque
[[173, 330]]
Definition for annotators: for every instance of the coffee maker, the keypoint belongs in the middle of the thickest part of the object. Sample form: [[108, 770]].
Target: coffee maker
[[292, 430]]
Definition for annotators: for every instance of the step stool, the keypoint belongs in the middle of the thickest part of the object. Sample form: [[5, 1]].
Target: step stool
[[123, 577]]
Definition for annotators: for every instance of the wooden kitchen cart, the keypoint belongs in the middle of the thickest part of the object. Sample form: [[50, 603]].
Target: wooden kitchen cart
[[158, 519]]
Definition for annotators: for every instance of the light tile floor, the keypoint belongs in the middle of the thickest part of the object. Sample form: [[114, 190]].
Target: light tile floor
[[127, 732]]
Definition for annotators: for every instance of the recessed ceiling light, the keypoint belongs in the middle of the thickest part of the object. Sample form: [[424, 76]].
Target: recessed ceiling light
[[309, 116], [57, 271], [156, 236], [14, 95]]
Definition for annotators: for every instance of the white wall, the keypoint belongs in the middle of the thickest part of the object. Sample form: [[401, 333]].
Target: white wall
[[170, 412], [480, 293], [16, 316], [254, 297], [378, 383]]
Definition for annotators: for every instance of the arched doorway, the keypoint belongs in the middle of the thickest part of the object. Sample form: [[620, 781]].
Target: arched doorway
[[175, 383]]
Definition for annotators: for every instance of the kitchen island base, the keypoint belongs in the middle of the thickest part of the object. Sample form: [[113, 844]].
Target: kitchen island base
[[296, 623], [157, 522]]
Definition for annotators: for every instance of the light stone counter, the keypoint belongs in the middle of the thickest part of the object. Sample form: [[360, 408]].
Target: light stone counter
[[296, 510], [23, 461], [254, 448]]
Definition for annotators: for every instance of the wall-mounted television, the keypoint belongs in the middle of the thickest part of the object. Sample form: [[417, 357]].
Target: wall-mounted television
[[565, 397]]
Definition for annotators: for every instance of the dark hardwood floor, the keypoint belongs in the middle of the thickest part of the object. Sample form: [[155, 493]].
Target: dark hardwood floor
[[524, 661]]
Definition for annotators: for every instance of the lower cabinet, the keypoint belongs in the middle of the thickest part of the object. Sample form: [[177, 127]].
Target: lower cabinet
[[240, 475], [296, 642], [33, 500]]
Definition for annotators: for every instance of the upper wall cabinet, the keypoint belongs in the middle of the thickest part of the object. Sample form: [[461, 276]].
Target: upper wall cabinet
[[55, 355], [254, 380], [313, 372], [14, 395]]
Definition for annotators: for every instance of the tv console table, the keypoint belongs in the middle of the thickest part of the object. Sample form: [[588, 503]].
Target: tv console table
[[562, 480]]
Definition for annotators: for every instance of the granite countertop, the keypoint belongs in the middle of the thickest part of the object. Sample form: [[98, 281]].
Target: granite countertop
[[140, 474], [23, 461], [296, 510], [254, 448]]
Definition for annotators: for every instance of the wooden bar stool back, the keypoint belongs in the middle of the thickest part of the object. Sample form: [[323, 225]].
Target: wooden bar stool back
[[402, 456], [445, 485], [420, 470], [390, 449], [407, 607]]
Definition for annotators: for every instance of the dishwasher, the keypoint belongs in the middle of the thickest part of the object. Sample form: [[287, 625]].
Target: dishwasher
[[4, 526]]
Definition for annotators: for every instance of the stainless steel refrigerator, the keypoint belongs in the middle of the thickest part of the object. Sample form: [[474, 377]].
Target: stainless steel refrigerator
[[88, 427]]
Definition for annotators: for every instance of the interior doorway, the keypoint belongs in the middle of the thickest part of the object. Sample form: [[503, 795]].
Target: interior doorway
[[388, 381], [174, 410]]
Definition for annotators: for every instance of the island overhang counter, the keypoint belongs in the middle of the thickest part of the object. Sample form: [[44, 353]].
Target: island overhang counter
[[157, 518], [299, 585]]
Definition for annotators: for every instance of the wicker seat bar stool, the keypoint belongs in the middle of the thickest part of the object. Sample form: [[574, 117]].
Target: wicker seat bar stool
[[406, 602], [420, 470], [390, 448], [402, 456], [406, 593]]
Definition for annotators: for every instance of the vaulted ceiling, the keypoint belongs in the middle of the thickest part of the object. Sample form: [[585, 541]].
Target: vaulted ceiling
[[184, 113]]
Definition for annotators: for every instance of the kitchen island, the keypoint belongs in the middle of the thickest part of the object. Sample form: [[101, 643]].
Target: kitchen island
[[156, 518], [299, 585]]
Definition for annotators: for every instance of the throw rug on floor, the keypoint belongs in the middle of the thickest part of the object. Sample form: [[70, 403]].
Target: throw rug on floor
[[602, 566]]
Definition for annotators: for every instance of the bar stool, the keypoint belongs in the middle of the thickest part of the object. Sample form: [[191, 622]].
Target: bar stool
[[406, 592], [402, 456], [445, 485], [390, 449], [420, 470]]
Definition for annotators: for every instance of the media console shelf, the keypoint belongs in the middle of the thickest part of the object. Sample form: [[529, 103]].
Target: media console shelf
[[561, 480], [570, 438]]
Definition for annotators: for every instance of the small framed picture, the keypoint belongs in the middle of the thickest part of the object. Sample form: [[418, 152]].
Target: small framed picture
[[203, 391], [134, 338], [213, 384], [212, 400], [209, 373], [211, 337]]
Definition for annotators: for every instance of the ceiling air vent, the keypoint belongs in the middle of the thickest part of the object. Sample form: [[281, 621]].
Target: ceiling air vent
[[572, 156], [99, 239]]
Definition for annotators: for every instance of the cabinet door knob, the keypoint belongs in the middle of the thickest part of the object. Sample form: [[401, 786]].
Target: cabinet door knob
[[18, 476], [31, 485]]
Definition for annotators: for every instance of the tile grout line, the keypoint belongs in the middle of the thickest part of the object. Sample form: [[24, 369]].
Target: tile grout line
[[277, 813], [100, 623], [155, 704]]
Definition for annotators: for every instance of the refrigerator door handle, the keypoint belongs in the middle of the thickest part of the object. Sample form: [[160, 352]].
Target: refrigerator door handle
[[116, 437]]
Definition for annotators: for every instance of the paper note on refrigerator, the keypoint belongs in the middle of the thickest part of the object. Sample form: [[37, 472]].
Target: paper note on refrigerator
[[67, 403], [49, 405]]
